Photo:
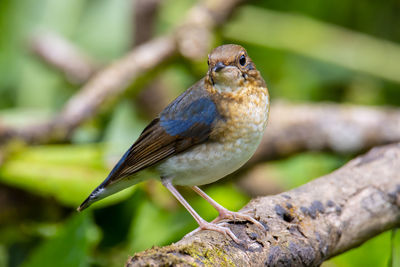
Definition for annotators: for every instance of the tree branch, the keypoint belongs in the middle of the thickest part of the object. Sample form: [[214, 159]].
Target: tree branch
[[326, 126], [111, 82], [64, 56], [304, 226], [145, 12]]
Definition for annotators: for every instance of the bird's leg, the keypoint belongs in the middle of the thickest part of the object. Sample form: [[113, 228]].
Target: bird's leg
[[225, 213], [203, 224]]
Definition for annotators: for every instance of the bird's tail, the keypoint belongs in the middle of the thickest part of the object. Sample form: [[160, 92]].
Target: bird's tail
[[106, 189], [88, 201], [97, 194]]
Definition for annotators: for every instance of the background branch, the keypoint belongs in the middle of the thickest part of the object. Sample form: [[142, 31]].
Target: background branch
[[295, 128], [152, 96], [111, 82], [64, 56], [145, 14], [304, 226]]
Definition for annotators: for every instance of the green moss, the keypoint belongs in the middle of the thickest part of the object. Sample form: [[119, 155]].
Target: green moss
[[210, 257]]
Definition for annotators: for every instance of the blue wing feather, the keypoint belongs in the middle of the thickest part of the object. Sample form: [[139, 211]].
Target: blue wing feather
[[180, 120]]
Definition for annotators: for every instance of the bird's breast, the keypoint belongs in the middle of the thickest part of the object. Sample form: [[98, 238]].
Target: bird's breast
[[232, 142], [244, 113]]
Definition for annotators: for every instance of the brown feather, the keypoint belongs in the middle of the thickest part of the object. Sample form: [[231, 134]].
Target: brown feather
[[153, 146]]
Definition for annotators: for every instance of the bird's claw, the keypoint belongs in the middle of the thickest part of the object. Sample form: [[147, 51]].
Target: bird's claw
[[236, 216], [217, 228], [222, 230]]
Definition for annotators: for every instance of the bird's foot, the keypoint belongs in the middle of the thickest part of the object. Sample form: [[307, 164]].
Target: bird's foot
[[220, 229], [217, 228], [237, 216]]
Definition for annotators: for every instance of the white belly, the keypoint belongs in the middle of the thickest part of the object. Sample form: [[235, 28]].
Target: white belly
[[209, 162]]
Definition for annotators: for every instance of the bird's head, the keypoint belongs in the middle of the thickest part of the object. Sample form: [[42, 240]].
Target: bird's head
[[230, 68]]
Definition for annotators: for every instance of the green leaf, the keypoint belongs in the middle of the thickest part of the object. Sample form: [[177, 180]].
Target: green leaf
[[395, 257], [71, 247], [3, 255], [67, 173]]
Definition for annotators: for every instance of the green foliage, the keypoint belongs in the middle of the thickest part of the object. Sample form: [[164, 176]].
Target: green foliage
[[304, 167], [170, 11], [154, 225], [104, 28], [315, 55], [395, 253], [70, 247], [67, 173]]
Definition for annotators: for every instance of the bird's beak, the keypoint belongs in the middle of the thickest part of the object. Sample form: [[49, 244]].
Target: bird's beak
[[219, 66]]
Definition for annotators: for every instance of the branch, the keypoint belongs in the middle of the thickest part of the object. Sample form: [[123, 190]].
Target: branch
[[145, 12], [151, 98], [304, 226], [64, 56], [326, 126], [190, 39]]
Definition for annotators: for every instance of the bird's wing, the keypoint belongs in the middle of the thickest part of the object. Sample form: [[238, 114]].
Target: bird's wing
[[178, 128], [186, 122]]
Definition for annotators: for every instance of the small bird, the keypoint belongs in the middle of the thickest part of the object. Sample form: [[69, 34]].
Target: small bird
[[206, 133]]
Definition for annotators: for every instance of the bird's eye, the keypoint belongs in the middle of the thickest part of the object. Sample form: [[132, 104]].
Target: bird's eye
[[242, 60]]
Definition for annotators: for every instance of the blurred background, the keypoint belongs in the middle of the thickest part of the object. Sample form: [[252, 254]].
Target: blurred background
[[341, 51]]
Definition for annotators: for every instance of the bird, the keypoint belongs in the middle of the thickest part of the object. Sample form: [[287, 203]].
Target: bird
[[206, 133]]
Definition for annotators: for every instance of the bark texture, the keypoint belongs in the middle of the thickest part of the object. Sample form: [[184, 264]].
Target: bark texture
[[304, 226]]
